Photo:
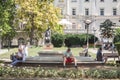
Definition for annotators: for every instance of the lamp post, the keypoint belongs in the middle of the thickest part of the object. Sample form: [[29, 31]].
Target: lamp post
[[113, 35], [94, 37], [87, 23]]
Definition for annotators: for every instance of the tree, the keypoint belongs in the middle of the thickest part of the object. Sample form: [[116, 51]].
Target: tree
[[38, 15], [117, 35], [7, 12], [106, 28]]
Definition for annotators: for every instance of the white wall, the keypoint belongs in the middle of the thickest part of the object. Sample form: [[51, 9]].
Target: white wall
[[94, 12]]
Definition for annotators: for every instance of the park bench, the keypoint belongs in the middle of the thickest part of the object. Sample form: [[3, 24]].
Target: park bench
[[110, 55]]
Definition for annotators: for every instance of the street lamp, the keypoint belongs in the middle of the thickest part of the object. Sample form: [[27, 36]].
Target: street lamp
[[94, 37], [87, 23], [113, 35]]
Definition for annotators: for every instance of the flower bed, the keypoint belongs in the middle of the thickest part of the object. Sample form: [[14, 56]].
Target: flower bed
[[39, 72]]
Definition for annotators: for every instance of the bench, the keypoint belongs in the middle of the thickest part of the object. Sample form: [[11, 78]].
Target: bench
[[110, 55]]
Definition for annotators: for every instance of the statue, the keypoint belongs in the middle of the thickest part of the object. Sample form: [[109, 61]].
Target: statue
[[48, 35]]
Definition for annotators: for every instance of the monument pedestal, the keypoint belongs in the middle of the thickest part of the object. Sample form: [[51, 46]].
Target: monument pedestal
[[48, 46]]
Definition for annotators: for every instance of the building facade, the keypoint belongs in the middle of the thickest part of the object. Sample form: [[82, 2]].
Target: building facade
[[97, 11], [77, 12]]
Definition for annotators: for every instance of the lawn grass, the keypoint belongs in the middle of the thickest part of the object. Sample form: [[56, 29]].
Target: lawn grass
[[33, 51]]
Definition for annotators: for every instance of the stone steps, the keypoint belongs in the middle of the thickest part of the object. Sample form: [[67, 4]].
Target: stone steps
[[56, 61]]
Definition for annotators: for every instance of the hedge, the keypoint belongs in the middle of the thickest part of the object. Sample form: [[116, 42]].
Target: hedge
[[39, 72], [57, 40], [78, 39], [118, 47], [71, 39]]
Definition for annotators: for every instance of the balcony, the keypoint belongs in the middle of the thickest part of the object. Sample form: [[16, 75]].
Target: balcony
[[74, 16], [77, 31]]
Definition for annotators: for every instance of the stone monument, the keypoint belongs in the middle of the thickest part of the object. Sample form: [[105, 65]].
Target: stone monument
[[48, 36], [47, 40]]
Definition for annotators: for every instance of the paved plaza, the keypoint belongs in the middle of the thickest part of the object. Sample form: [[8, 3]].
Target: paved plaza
[[2, 51]]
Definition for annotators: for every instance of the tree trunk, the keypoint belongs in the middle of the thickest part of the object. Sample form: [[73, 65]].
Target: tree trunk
[[32, 30], [31, 35], [0, 43]]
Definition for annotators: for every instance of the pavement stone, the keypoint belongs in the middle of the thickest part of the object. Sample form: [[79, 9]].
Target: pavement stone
[[2, 51]]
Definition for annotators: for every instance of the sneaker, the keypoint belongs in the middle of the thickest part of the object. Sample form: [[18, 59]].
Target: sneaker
[[76, 67], [10, 65], [64, 66]]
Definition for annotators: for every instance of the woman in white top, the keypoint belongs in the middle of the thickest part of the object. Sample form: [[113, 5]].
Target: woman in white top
[[25, 51], [19, 57]]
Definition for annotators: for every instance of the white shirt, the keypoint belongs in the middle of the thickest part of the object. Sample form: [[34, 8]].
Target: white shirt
[[25, 50], [67, 54], [20, 54]]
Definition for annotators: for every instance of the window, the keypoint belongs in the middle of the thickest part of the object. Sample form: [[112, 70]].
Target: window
[[101, 12], [101, 0], [73, 11], [73, 26], [114, 0], [86, 11], [114, 11], [86, 0], [61, 11], [61, 0], [73, 0]]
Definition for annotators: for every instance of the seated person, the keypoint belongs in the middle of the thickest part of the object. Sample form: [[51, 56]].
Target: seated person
[[85, 51], [18, 57], [99, 56], [69, 58]]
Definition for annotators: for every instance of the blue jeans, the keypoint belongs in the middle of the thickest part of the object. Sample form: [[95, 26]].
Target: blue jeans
[[15, 61]]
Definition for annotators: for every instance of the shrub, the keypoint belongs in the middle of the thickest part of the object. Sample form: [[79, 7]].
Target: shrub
[[57, 40], [116, 38], [91, 38], [118, 47], [71, 40], [78, 39], [39, 72]]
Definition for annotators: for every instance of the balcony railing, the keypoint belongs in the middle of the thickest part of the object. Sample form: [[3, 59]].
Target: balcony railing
[[77, 31]]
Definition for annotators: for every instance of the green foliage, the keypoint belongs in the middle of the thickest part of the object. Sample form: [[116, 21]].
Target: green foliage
[[117, 35], [118, 47], [91, 38], [71, 39], [78, 39], [104, 74], [57, 40], [7, 15], [118, 73], [106, 30], [38, 15], [39, 72]]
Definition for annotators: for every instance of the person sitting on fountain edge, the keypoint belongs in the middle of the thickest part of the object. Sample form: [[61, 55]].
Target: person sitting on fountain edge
[[69, 58]]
